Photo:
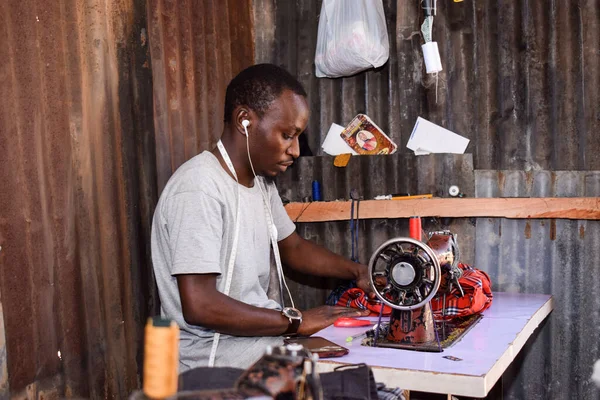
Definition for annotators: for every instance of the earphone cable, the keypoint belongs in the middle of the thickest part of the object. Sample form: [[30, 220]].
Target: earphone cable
[[267, 206]]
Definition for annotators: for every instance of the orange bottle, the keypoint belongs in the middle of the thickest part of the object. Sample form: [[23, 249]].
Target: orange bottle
[[161, 358]]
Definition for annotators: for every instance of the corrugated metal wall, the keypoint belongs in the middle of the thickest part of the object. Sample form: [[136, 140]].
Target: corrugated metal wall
[[560, 257], [78, 191], [196, 47], [521, 81], [520, 78], [81, 171]]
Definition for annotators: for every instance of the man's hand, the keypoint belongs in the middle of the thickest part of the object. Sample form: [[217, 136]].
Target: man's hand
[[315, 319], [363, 280]]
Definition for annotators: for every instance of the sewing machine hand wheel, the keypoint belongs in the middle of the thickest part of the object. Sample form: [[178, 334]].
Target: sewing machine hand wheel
[[405, 273]]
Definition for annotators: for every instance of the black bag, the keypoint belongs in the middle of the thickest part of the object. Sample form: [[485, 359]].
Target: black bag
[[352, 382], [206, 378]]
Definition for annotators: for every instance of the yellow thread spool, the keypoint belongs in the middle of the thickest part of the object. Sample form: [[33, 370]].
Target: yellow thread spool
[[161, 358]]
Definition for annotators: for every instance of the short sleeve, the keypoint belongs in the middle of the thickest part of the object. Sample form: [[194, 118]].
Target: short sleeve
[[285, 226], [195, 225]]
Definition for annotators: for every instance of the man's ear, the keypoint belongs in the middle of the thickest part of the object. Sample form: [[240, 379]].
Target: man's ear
[[243, 114]]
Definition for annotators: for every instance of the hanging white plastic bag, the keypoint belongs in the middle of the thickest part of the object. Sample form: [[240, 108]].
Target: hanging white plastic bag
[[352, 37]]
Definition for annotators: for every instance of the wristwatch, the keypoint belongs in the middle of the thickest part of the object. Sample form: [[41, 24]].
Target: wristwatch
[[295, 317]]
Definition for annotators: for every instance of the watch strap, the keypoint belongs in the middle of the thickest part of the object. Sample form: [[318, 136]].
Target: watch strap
[[293, 326]]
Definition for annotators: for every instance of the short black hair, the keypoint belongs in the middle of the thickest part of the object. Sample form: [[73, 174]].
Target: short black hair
[[257, 87]]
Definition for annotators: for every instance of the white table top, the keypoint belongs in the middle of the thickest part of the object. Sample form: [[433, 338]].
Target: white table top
[[486, 350]]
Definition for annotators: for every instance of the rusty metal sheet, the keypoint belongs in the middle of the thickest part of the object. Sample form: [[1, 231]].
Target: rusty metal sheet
[[82, 170], [78, 191], [196, 48]]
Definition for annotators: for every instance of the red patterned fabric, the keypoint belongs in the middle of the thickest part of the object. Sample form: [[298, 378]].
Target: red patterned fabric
[[356, 298], [477, 287]]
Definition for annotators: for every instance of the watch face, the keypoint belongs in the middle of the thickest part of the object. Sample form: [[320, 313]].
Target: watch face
[[292, 313]]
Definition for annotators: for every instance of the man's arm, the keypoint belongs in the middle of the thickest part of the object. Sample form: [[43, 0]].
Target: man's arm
[[310, 258], [306, 256], [204, 305]]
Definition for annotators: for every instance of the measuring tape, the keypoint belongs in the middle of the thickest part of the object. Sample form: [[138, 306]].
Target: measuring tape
[[273, 239]]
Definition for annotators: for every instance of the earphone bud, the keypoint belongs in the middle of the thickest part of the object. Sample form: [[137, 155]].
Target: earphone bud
[[245, 124]]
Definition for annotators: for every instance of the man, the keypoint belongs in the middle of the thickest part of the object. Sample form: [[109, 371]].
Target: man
[[195, 223]]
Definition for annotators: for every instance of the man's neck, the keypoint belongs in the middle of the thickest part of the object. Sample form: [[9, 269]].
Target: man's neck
[[239, 158]]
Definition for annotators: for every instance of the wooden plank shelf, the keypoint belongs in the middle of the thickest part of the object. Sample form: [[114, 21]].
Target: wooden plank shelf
[[539, 207]]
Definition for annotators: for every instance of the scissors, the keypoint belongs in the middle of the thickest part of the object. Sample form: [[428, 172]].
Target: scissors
[[347, 322]]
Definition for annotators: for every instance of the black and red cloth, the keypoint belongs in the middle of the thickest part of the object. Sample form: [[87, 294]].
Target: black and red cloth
[[476, 284]]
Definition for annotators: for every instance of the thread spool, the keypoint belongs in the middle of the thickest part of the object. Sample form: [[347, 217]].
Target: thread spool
[[316, 191], [414, 228], [161, 358], [454, 191]]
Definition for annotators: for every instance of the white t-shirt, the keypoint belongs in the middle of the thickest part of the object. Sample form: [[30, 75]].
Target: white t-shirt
[[192, 233]]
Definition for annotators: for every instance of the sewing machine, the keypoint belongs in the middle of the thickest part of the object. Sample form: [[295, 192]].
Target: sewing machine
[[405, 275]]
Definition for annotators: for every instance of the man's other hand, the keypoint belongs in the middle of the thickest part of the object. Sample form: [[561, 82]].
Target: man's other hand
[[364, 282], [315, 319]]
